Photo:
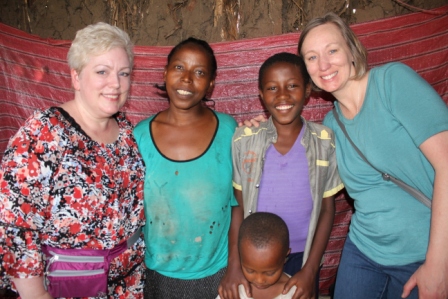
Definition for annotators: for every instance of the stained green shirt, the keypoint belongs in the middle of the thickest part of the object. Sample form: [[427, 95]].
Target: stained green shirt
[[188, 205]]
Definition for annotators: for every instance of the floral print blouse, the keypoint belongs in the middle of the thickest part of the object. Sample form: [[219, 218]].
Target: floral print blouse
[[61, 188]]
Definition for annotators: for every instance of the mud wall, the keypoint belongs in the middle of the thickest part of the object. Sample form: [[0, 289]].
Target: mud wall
[[166, 22]]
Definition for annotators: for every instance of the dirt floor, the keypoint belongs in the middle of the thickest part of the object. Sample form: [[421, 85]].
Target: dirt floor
[[166, 22]]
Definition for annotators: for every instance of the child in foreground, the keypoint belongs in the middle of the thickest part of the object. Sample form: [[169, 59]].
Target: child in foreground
[[263, 244], [287, 166]]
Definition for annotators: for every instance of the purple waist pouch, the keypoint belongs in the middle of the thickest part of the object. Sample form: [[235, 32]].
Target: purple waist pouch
[[78, 272]]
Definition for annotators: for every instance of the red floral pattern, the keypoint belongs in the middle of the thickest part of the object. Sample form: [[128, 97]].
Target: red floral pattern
[[61, 188]]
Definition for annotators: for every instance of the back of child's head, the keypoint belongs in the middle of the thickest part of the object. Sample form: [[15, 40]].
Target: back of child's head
[[202, 44], [287, 58], [263, 229]]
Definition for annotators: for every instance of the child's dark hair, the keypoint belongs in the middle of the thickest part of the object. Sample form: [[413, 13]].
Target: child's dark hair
[[201, 43], [262, 229], [284, 57]]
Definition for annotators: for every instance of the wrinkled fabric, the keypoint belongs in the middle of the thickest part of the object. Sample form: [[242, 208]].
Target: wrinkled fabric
[[34, 74]]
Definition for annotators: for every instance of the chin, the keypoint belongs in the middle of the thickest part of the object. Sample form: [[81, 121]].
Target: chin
[[330, 86], [286, 121], [111, 111], [263, 287]]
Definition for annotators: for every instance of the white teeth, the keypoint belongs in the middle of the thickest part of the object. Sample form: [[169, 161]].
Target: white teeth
[[284, 107], [111, 96], [183, 92], [329, 76]]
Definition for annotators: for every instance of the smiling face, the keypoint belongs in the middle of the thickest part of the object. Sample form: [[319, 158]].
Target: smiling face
[[262, 267], [328, 58], [188, 76], [102, 86], [284, 92]]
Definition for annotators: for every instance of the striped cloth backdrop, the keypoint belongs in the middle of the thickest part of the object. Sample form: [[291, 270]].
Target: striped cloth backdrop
[[34, 75]]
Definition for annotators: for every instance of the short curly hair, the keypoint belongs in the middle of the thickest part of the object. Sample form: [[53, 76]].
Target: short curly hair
[[263, 229], [284, 57], [97, 39]]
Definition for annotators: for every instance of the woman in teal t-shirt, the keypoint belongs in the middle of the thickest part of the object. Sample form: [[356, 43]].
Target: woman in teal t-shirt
[[400, 124]]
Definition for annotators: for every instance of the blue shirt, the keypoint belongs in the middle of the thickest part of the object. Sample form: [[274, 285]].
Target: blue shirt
[[400, 111], [188, 205]]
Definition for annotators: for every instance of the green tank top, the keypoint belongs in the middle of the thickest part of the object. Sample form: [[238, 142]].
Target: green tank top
[[188, 205]]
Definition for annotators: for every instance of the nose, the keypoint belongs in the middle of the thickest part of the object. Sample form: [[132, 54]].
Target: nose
[[186, 76], [283, 93], [259, 279], [324, 63], [114, 80]]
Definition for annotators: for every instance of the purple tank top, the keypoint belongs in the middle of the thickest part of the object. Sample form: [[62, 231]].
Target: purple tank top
[[285, 191]]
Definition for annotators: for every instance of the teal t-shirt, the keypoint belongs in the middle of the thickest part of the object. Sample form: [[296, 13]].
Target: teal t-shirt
[[188, 205], [400, 111]]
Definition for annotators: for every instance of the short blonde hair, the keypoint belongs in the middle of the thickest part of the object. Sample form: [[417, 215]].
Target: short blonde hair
[[357, 49], [97, 39]]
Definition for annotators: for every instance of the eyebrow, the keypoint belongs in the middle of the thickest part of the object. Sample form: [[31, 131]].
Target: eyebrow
[[326, 46]]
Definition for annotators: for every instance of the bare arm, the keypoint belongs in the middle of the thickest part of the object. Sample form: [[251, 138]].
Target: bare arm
[[228, 288], [432, 277], [32, 288], [304, 280]]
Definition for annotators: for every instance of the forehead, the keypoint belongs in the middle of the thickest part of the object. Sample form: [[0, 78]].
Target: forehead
[[283, 67], [190, 49], [323, 35], [271, 249], [113, 56]]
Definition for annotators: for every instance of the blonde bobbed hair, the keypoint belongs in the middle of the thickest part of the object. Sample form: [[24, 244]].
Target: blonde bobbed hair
[[95, 40]]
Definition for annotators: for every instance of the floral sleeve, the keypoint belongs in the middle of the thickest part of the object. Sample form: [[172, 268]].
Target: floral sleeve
[[25, 173]]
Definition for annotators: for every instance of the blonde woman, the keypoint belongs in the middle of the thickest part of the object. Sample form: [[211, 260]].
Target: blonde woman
[[396, 246], [72, 179]]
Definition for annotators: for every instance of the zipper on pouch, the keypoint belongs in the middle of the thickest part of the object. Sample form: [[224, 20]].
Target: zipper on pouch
[[75, 259], [71, 273]]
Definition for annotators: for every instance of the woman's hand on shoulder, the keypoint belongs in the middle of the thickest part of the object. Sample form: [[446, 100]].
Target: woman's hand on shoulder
[[304, 281], [253, 121], [228, 287]]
